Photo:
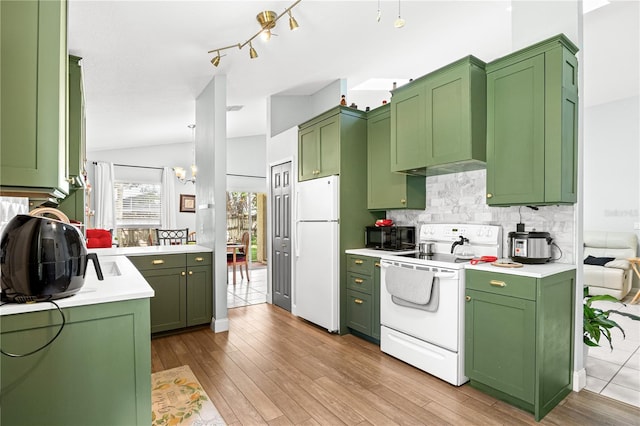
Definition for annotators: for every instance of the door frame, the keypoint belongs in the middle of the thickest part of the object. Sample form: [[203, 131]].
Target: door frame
[[294, 182]]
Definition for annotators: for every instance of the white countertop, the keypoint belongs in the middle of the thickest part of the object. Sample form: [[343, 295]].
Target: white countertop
[[150, 250], [377, 253], [122, 281], [536, 271]]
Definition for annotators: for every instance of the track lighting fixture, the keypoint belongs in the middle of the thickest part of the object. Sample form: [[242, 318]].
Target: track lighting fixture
[[267, 20], [399, 23]]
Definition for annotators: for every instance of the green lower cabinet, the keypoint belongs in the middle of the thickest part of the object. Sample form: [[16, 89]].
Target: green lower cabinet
[[519, 337], [363, 295], [168, 305], [183, 287], [95, 373]]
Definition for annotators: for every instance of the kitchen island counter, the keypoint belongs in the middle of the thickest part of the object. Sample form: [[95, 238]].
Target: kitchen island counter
[[122, 281], [150, 250]]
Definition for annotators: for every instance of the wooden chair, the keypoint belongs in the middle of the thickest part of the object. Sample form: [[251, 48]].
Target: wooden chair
[[242, 255], [172, 237]]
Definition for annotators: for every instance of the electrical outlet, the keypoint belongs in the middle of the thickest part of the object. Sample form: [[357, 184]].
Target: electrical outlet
[[636, 225]]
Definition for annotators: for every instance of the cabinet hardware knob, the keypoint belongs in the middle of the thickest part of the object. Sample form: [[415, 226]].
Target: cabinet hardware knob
[[358, 301], [190, 272], [497, 283], [157, 262], [182, 273], [403, 201], [489, 195], [377, 264], [199, 259], [467, 298], [358, 280], [358, 261]]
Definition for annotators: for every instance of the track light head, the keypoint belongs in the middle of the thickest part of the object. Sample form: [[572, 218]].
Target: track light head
[[293, 24], [216, 60], [252, 52]]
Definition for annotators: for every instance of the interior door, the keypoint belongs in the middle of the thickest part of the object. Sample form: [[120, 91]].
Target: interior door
[[281, 235]]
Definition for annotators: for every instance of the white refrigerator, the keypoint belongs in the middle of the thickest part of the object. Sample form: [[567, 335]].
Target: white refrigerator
[[317, 269]]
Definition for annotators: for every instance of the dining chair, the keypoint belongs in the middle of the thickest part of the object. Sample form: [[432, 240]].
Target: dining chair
[[242, 255], [172, 237]]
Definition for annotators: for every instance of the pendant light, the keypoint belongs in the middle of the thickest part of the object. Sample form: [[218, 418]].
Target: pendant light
[[399, 23]]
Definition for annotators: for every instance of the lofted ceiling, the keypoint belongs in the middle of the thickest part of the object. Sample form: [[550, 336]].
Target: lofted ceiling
[[145, 62]]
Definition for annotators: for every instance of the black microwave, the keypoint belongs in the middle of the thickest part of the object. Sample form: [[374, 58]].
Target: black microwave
[[390, 237]]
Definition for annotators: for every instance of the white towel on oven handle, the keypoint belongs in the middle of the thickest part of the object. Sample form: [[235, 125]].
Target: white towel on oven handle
[[411, 285], [432, 306]]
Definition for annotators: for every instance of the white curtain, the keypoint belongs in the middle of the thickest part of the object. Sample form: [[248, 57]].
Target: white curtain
[[169, 203], [104, 196]]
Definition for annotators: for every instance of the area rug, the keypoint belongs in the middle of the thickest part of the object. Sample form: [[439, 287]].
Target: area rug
[[177, 398]]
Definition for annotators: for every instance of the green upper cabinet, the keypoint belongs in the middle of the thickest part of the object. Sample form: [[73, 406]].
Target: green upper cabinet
[[33, 147], [319, 148], [77, 146], [438, 122], [532, 118], [386, 189]]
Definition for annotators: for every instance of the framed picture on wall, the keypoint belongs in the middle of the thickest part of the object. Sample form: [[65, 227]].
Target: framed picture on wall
[[187, 203]]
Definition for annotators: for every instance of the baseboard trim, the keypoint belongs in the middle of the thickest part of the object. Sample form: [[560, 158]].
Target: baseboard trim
[[579, 380], [218, 326]]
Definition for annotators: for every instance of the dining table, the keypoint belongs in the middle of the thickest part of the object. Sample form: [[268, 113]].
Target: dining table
[[233, 248]]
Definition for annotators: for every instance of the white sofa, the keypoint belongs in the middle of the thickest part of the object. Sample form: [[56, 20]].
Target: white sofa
[[614, 278]]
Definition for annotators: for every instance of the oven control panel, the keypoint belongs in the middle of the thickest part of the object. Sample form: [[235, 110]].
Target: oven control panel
[[476, 233]]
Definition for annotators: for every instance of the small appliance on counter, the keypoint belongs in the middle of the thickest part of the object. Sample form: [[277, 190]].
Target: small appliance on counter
[[530, 247], [392, 238], [43, 259]]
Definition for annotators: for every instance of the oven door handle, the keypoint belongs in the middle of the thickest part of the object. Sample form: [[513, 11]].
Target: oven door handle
[[445, 275]]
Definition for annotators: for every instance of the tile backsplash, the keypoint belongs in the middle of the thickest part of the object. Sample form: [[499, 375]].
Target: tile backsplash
[[460, 198], [10, 207]]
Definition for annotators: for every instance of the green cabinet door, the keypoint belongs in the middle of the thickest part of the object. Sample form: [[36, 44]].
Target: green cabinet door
[[456, 118], [500, 343], [515, 128], [359, 308], [408, 128], [199, 295], [532, 116], [76, 122], [386, 189], [95, 373], [33, 144], [168, 305], [319, 149]]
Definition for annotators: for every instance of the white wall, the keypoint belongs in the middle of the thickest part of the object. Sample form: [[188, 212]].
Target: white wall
[[180, 154], [246, 158]]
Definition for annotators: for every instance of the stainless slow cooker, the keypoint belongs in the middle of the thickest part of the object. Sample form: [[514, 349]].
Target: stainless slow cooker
[[530, 247]]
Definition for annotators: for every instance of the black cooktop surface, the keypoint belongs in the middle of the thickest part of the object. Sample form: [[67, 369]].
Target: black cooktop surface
[[437, 257]]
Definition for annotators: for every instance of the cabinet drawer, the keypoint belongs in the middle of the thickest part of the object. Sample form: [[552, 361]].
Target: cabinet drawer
[[360, 264], [360, 282], [504, 284], [198, 259], [359, 311], [161, 261]]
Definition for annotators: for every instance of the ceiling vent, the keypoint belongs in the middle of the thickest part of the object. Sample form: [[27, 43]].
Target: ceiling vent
[[232, 108]]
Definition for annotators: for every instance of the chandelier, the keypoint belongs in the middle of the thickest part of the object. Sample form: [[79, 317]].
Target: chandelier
[[181, 173], [267, 20]]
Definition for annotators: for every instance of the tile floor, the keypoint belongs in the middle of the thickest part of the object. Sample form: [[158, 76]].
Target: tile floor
[[245, 292], [616, 373]]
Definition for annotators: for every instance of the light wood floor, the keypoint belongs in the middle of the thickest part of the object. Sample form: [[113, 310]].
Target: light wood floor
[[273, 368]]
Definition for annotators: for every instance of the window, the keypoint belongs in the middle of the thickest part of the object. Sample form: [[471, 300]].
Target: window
[[138, 204]]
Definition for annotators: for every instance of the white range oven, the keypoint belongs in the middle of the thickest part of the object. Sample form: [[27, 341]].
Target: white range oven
[[422, 297]]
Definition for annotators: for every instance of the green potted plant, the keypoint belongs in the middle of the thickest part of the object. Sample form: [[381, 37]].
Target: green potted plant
[[596, 322]]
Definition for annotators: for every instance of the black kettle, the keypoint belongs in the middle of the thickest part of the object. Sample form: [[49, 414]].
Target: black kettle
[[42, 258]]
